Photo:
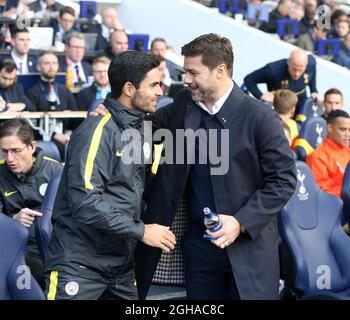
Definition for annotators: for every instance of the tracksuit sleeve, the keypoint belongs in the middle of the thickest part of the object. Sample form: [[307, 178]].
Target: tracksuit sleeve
[[89, 169]]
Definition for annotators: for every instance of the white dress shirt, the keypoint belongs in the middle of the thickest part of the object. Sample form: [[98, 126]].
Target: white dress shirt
[[218, 104]]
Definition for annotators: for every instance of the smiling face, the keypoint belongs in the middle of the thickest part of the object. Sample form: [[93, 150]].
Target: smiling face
[[199, 78], [146, 96], [18, 156]]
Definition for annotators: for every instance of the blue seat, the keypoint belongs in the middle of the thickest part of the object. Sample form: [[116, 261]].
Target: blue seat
[[16, 282], [310, 226], [308, 110], [94, 104], [43, 225], [345, 194], [311, 135], [50, 149], [163, 101]]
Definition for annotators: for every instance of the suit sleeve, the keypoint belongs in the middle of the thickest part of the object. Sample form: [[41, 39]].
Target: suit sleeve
[[22, 97], [71, 101], [88, 174], [252, 80], [33, 97], [279, 177]]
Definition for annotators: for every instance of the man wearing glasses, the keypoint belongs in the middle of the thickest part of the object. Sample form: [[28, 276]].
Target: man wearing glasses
[[73, 61], [24, 175], [100, 88]]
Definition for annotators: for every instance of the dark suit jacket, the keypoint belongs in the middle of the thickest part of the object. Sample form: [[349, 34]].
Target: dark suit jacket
[[86, 66], [15, 94], [31, 61], [101, 42], [276, 76], [67, 101], [54, 24], [259, 182], [85, 97]]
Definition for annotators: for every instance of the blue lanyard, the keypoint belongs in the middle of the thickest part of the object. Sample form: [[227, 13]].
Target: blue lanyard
[[46, 93]]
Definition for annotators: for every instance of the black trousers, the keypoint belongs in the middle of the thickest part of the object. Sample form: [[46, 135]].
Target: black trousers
[[65, 286], [215, 283]]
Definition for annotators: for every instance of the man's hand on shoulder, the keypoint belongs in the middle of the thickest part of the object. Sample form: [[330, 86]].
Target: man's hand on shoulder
[[100, 110]]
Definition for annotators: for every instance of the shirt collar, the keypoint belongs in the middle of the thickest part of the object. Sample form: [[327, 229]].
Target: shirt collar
[[17, 60], [218, 104]]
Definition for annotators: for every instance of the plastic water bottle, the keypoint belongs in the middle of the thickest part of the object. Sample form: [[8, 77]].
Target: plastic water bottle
[[212, 223]]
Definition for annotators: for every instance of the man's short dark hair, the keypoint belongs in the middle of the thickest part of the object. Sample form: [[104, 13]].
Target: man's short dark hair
[[332, 91], [213, 49], [158, 40], [67, 9], [130, 66], [16, 30], [333, 115], [18, 127], [8, 65]]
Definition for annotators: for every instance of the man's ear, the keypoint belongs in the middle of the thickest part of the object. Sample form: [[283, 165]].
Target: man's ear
[[33, 144], [129, 89], [329, 128], [221, 70]]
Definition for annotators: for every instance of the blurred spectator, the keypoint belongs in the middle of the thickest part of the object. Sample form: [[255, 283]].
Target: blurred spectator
[[118, 43], [281, 12], [341, 29], [159, 47], [343, 59], [333, 100], [337, 16], [8, 7], [329, 160], [12, 96], [310, 15], [165, 80], [297, 12], [45, 9], [19, 53], [295, 73], [63, 26], [75, 50], [48, 95], [307, 41], [284, 103], [110, 23], [100, 88]]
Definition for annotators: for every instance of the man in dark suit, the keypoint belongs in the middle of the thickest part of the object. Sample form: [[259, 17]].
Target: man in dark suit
[[48, 95], [100, 88], [247, 188], [110, 23], [12, 96], [20, 42], [295, 73], [74, 59], [118, 43], [63, 26]]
